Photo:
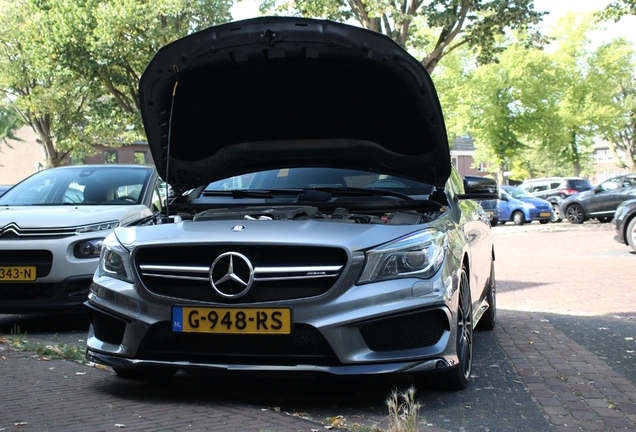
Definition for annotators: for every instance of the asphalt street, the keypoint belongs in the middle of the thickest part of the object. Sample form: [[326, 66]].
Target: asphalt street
[[560, 359]]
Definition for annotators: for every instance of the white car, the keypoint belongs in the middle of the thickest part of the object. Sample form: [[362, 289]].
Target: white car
[[52, 225]]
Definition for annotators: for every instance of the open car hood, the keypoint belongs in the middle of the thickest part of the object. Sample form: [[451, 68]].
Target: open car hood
[[280, 92]]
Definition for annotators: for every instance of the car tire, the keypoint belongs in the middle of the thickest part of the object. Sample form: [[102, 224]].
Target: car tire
[[489, 318], [542, 222], [155, 374], [604, 219], [556, 214], [518, 218], [630, 233], [494, 222], [575, 214], [457, 378]]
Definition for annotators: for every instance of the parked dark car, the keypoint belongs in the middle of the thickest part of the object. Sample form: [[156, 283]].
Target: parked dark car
[[625, 223], [601, 202], [519, 206], [555, 190], [318, 224], [491, 206]]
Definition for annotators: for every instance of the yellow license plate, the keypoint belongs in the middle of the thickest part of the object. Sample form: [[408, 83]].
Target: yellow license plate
[[545, 214], [490, 212], [231, 320], [17, 273]]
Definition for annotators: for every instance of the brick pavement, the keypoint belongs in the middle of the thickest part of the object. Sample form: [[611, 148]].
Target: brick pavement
[[559, 271], [567, 271]]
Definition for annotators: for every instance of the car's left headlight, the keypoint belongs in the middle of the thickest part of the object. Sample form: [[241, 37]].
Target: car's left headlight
[[115, 260], [418, 255], [529, 206]]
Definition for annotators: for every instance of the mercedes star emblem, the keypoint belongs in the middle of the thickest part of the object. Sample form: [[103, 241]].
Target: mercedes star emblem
[[232, 275]]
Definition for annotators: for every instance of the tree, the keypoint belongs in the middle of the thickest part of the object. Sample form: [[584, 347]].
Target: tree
[[508, 103], [618, 9], [9, 124], [453, 23], [620, 127], [71, 68]]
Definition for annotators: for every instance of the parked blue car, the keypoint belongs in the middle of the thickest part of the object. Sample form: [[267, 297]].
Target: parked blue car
[[519, 206]]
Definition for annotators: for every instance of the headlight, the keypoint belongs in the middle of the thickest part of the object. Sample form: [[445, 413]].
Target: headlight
[[419, 255], [115, 260], [529, 206], [88, 248]]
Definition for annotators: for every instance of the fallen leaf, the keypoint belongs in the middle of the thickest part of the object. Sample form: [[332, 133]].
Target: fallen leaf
[[531, 343], [20, 424], [119, 425]]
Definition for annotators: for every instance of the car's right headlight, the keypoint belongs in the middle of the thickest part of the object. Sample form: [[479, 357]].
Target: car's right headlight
[[417, 255], [114, 260]]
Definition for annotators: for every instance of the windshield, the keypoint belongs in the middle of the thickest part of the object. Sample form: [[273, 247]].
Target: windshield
[[518, 193], [318, 178], [82, 185]]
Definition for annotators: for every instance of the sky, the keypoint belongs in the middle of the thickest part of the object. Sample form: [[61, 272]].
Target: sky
[[557, 8]]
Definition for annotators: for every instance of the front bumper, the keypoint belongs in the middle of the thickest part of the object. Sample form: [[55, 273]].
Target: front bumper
[[391, 327]]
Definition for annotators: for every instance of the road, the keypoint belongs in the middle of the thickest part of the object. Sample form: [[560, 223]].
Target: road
[[560, 359]]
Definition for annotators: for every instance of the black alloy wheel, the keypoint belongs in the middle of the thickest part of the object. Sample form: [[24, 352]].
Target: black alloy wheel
[[630, 233], [457, 378], [518, 218], [575, 214], [556, 214]]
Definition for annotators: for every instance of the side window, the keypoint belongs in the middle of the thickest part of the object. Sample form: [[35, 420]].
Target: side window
[[555, 185], [540, 187], [156, 200], [74, 194], [128, 192], [609, 185]]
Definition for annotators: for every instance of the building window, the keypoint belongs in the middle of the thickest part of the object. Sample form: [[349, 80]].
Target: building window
[[141, 158], [110, 156]]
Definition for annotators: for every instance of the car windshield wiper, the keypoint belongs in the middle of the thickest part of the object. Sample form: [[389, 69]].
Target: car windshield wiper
[[239, 193], [364, 191]]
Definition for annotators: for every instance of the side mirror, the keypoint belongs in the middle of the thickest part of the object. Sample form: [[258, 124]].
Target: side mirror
[[480, 188]]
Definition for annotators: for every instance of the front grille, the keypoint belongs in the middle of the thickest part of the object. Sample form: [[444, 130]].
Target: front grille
[[41, 259], [305, 345], [415, 330], [13, 232], [26, 291], [280, 272]]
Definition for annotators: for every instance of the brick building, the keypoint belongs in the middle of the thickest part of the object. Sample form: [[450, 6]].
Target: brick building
[[19, 159]]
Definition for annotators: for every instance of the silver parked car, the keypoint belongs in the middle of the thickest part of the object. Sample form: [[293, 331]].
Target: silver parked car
[[52, 225], [317, 224]]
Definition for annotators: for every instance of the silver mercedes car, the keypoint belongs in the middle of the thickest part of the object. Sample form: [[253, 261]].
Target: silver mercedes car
[[316, 223]]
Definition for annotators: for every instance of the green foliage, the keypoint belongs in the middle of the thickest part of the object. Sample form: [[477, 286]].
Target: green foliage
[[447, 24], [618, 9], [9, 124], [71, 67]]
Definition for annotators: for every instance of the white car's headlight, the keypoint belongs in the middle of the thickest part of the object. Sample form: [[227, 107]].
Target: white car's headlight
[[114, 260], [419, 255]]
